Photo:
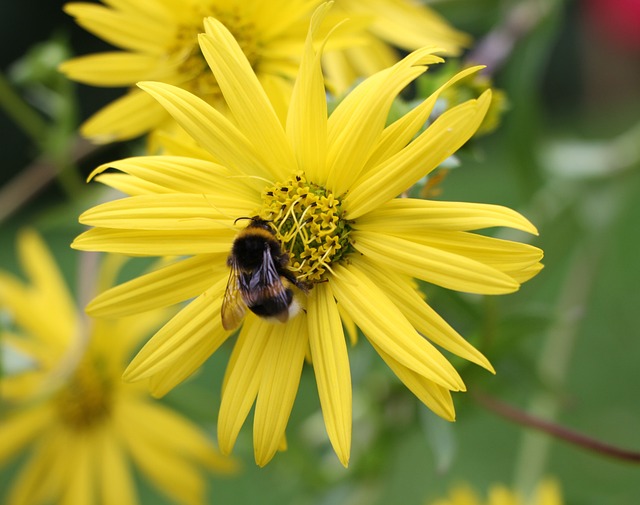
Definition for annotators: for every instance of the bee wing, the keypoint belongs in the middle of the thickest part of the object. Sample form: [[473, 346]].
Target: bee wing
[[233, 304], [265, 285]]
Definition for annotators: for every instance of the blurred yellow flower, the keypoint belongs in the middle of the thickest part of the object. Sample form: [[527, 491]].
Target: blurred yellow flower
[[82, 427], [547, 493], [158, 41], [327, 190], [403, 24]]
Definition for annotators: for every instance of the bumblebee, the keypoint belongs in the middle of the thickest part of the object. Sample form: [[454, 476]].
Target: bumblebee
[[259, 277]]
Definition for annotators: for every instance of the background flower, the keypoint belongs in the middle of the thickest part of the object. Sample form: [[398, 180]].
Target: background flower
[[547, 493], [395, 25], [83, 429], [158, 41]]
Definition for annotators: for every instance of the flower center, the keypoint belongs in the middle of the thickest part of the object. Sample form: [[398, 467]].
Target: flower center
[[192, 66], [86, 399], [308, 221]]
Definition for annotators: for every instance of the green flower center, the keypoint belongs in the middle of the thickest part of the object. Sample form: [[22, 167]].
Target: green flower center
[[191, 64], [308, 220], [86, 399]]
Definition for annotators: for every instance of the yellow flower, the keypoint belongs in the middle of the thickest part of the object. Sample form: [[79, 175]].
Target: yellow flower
[[82, 426], [404, 24], [158, 41], [547, 493], [327, 188]]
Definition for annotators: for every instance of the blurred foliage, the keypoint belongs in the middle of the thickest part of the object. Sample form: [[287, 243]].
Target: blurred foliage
[[565, 347]]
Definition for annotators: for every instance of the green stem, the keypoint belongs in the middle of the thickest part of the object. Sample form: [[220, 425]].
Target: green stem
[[21, 113], [554, 360]]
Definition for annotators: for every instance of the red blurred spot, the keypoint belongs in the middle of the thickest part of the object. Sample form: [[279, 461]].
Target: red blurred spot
[[617, 20]]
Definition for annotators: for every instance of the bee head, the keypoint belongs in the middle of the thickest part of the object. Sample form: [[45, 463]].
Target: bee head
[[257, 222]]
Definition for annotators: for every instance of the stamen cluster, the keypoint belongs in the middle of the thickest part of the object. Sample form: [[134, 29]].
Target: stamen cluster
[[86, 399], [308, 221]]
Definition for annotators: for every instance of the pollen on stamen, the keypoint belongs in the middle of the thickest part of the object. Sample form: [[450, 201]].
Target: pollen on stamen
[[309, 223]]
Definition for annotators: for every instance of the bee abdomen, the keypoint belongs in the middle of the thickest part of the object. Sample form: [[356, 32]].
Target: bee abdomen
[[273, 306]]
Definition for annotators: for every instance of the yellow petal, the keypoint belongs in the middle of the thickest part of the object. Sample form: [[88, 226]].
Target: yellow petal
[[177, 211], [507, 256], [349, 325], [356, 124], [40, 266], [114, 476], [307, 119], [279, 18], [155, 242], [187, 441], [383, 324], [210, 129], [369, 56], [197, 321], [125, 118], [393, 176], [420, 314], [79, 483], [181, 174], [162, 11], [283, 359], [398, 134], [22, 428], [433, 265], [338, 74], [111, 69], [527, 273], [408, 215], [166, 286], [169, 471], [165, 380], [242, 379], [331, 367], [131, 331], [278, 88], [409, 25], [548, 493], [246, 98], [129, 185], [43, 475], [434, 396], [34, 373], [18, 300], [127, 31]]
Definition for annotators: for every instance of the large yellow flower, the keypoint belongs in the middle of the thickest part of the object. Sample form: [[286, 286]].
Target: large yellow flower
[[547, 493], [158, 41], [82, 426], [328, 189]]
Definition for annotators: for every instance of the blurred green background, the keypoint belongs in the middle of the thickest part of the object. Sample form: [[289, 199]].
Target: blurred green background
[[566, 347]]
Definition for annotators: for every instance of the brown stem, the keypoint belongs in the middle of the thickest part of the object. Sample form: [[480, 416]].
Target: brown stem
[[494, 49], [555, 430], [35, 177]]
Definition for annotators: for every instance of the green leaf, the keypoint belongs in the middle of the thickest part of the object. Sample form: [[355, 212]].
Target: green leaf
[[441, 439]]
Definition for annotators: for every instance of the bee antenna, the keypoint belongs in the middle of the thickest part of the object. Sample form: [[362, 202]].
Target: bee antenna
[[254, 218]]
